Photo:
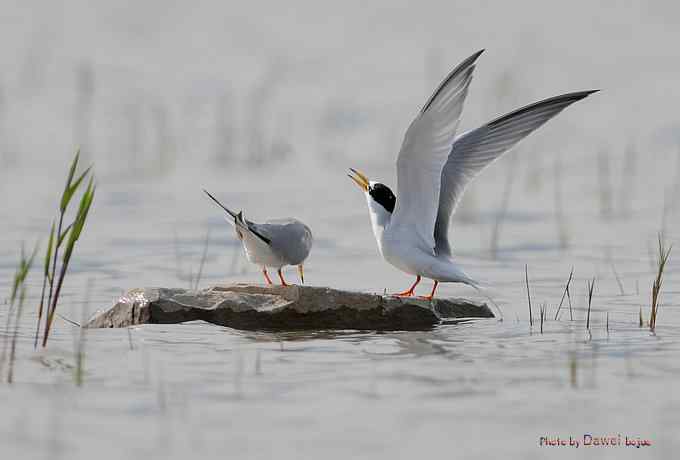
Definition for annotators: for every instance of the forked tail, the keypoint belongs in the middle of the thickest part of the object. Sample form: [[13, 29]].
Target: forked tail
[[462, 277], [479, 289]]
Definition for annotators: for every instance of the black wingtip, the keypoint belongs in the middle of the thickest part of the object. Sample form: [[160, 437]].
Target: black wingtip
[[227, 210], [586, 93], [467, 63], [212, 197], [558, 102], [575, 96]]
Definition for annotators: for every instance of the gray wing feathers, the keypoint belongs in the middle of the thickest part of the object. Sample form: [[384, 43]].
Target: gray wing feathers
[[290, 238], [442, 88], [474, 150], [425, 149], [251, 227]]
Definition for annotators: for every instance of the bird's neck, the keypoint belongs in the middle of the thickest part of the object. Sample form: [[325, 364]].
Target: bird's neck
[[380, 220]]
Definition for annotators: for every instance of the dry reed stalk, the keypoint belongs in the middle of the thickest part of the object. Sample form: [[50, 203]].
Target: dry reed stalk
[[590, 286], [526, 277], [662, 259], [566, 290]]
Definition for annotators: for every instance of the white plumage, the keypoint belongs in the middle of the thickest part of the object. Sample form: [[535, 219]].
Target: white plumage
[[274, 243], [433, 168]]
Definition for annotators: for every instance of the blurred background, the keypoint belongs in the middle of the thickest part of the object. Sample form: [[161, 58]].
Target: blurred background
[[264, 100], [150, 88], [266, 105]]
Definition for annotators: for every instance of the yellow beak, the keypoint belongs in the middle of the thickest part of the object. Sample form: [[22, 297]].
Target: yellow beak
[[301, 272], [360, 179]]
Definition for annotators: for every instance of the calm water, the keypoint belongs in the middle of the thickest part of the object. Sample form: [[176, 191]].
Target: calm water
[[591, 191]]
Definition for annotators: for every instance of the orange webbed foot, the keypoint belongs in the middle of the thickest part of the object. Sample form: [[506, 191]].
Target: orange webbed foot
[[410, 291]]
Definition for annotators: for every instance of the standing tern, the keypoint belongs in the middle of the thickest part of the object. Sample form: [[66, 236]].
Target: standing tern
[[275, 243], [433, 168]]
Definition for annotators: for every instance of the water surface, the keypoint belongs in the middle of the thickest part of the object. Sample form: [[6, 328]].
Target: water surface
[[168, 117]]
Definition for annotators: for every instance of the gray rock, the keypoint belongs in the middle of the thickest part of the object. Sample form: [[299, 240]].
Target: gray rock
[[257, 307]]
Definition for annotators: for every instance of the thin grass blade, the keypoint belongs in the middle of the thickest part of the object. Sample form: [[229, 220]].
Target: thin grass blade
[[69, 192], [69, 180]]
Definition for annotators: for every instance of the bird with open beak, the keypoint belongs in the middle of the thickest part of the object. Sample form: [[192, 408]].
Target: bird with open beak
[[434, 166]]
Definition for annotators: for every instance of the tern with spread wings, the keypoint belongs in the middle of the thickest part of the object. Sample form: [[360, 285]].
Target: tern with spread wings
[[433, 168], [275, 243]]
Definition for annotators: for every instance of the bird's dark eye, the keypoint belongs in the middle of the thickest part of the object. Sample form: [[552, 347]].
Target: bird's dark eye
[[383, 195]]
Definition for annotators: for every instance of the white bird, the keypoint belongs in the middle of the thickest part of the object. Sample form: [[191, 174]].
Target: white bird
[[433, 168], [275, 243]]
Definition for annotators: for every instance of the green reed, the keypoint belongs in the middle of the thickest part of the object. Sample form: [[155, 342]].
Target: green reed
[[64, 238], [16, 306], [79, 340]]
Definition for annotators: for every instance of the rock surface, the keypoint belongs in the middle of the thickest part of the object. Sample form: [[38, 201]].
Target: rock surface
[[257, 307]]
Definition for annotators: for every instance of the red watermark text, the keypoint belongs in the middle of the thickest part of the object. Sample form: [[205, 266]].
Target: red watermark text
[[594, 440]]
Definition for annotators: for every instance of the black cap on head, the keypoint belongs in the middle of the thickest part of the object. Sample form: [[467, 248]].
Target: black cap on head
[[383, 195]]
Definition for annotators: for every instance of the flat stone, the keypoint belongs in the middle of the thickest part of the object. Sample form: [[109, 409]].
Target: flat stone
[[284, 308]]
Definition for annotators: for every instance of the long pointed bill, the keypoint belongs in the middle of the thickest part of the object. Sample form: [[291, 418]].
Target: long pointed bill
[[359, 179], [301, 272]]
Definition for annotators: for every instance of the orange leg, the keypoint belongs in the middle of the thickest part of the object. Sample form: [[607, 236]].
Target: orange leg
[[409, 291], [431, 296], [266, 275], [283, 282]]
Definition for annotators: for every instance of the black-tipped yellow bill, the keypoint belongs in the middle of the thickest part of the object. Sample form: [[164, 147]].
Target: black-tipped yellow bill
[[359, 179], [301, 272]]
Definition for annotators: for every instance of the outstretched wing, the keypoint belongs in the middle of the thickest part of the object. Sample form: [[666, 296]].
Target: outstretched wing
[[474, 150], [423, 153]]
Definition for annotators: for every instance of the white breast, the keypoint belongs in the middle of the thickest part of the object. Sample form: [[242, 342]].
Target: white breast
[[400, 249], [259, 252]]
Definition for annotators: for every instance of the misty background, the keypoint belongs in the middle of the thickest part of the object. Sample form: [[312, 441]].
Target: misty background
[[155, 87], [266, 105]]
